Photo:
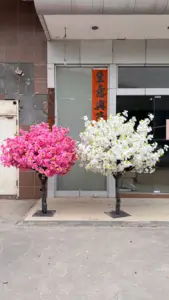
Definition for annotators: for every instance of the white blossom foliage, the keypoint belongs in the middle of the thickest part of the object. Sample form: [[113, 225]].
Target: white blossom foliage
[[116, 145]]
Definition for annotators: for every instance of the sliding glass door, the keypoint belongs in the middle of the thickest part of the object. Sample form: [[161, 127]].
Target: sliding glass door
[[74, 101], [141, 106]]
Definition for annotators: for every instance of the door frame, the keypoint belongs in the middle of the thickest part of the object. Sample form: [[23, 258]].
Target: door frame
[[112, 76]]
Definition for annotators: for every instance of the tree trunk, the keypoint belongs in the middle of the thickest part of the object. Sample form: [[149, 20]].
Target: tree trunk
[[43, 180], [118, 200]]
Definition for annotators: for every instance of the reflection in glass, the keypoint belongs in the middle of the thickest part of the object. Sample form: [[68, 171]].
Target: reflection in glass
[[140, 107], [143, 77]]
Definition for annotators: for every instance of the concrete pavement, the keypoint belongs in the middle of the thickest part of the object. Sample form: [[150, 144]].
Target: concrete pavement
[[81, 263]]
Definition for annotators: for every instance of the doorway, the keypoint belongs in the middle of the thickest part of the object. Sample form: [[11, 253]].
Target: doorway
[[73, 102], [140, 106]]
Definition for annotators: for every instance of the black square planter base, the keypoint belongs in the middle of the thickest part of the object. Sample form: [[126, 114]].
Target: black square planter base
[[39, 213], [113, 214]]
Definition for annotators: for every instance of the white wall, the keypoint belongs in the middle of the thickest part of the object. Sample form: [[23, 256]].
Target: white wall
[[106, 52]]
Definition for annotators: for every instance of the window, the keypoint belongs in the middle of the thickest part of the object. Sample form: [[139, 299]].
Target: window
[[143, 77]]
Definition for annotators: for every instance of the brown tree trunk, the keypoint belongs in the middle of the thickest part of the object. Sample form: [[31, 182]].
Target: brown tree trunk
[[118, 200], [43, 180]]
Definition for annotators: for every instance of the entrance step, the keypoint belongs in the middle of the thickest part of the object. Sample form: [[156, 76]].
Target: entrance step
[[97, 211]]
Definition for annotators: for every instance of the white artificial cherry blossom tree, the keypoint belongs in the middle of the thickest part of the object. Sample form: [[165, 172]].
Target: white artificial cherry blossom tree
[[118, 145]]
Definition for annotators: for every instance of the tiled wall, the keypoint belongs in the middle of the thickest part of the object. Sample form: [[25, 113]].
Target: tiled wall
[[23, 46], [109, 52]]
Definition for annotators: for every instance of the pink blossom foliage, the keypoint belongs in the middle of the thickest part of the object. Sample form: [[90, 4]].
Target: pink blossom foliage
[[46, 151]]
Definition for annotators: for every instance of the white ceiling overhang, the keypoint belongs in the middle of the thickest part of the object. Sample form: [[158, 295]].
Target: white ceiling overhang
[[116, 19], [51, 7]]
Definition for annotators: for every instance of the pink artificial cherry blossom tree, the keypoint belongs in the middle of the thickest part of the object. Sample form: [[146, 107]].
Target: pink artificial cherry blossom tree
[[48, 152]]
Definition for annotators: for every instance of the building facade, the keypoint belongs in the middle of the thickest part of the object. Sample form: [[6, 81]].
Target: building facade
[[23, 77], [129, 39]]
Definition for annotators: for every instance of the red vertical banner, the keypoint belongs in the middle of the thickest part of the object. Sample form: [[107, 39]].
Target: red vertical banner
[[99, 94]]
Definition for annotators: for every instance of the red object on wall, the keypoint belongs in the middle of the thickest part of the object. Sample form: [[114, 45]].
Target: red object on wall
[[99, 94]]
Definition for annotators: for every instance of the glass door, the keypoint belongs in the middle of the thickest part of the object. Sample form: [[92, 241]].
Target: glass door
[[140, 107], [74, 101], [160, 130]]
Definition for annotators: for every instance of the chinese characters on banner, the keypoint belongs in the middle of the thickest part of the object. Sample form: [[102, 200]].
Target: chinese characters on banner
[[99, 93]]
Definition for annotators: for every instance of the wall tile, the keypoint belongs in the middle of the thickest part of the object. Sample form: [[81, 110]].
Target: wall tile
[[129, 52], [26, 116], [9, 21], [12, 54], [2, 53], [74, 52], [26, 178], [26, 22], [40, 37], [14, 86], [96, 52], [40, 86], [60, 51], [40, 71], [11, 38], [26, 53], [26, 7], [55, 53], [40, 53], [10, 6], [11, 81], [40, 106], [2, 39], [40, 103], [27, 192], [33, 110], [28, 70], [21, 33], [28, 41], [157, 52], [38, 27]]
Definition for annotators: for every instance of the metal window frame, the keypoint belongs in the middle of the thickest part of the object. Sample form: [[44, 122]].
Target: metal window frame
[[141, 91]]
